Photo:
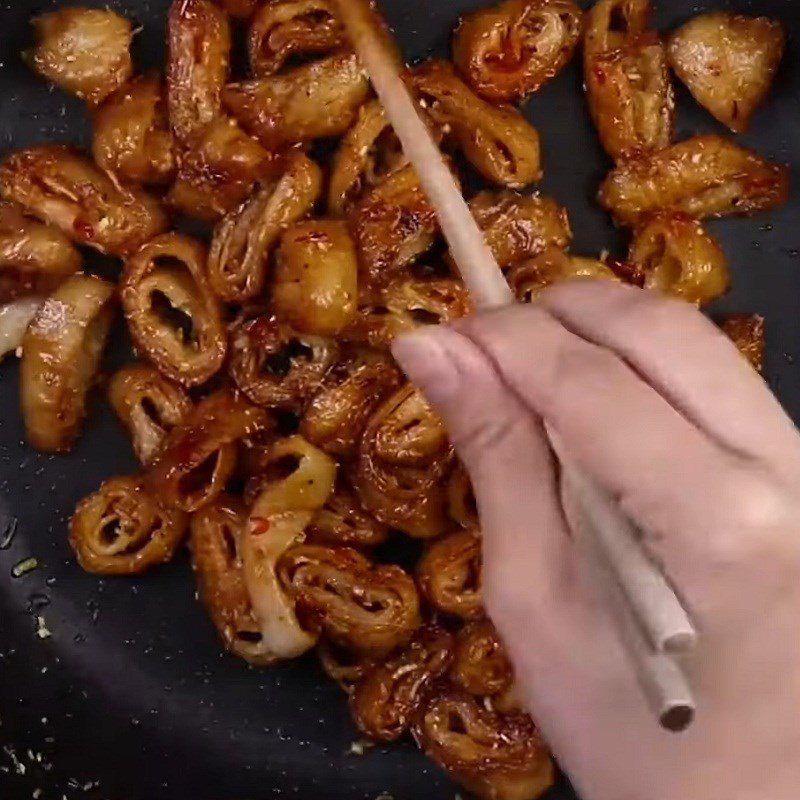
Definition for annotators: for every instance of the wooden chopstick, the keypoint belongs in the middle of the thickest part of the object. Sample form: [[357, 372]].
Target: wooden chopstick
[[652, 622]]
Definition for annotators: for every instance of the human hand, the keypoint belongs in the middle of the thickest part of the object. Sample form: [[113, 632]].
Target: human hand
[[658, 406]]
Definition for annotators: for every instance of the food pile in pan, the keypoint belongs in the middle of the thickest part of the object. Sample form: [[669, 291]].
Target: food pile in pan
[[275, 433]]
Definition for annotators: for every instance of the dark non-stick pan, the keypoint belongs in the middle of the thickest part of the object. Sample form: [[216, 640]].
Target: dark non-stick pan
[[130, 697]]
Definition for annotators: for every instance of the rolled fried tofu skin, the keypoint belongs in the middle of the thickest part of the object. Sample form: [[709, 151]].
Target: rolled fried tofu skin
[[510, 50], [728, 61], [449, 574], [122, 529], [85, 51], [198, 456], [746, 331], [480, 664], [244, 240], [495, 756], [369, 608], [705, 176], [61, 353], [679, 257], [403, 458], [148, 405], [286, 30], [387, 698], [343, 522], [498, 141], [215, 544], [461, 503], [627, 80], [63, 188], [173, 317], [131, 134], [315, 100], [342, 665]]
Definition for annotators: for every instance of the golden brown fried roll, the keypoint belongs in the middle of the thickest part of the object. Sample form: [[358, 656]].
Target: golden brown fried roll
[[275, 365], [518, 226], [480, 665], [449, 574], [343, 522], [529, 279], [58, 185], [122, 529], [85, 51], [61, 353], [705, 176], [393, 224], [403, 457], [368, 152], [131, 133], [148, 405], [199, 455], [34, 258], [241, 9], [496, 756], [388, 697], [728, 61], [461, 503], [173, 317], [218, 172], [215, 543], [342, 665], [627, 80], [498, 141], [199, 43], [283, 30], [747, 333], [299, 480], [316, 277], [679, 257], [366, 607], [244, 239], [336, 416], [308, 102], [510, 50]]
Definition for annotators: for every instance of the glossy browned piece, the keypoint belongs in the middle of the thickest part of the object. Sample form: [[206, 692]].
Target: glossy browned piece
[[342, 521], [481, 665], [747, 333]]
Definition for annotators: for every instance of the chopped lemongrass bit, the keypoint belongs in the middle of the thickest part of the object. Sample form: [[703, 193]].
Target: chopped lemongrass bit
[[25, 566]]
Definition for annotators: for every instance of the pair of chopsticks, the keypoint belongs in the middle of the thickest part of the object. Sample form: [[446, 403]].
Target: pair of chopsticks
[[654, 627]]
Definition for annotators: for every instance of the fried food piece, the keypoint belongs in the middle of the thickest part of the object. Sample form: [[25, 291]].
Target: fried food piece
[[679, 257], [172, 314], [461, 503], [148, 405], [58, 185], [34, 258], [392, 226], [343, 522], [14, 320], [403, 458], [122, 529], [316, 277], [449, 574], [85, 51], [342, 665], [61, 353], [728, 62], [498, 141], [705, 176], [215, 544], [277, 366], [244, 240], [308, 102], [387, 698], [747, 333], [496, 756], [370, 608], [628, 86], [336, 416], [480, 665], [511, 50], [131, 134], [241, 9], [284, 30]]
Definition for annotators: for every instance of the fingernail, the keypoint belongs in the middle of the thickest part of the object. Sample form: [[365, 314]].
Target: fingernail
[[425, 359]]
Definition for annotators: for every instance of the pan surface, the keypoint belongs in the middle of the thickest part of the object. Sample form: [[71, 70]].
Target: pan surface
[[130, 697]]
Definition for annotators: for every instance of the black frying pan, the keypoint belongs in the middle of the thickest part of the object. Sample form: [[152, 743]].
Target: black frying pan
[[132, 690]]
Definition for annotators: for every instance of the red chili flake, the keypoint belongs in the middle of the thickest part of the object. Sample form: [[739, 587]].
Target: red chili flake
[[259, 525]]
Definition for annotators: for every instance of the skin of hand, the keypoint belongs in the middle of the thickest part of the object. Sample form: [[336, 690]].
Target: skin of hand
[[657, 405]]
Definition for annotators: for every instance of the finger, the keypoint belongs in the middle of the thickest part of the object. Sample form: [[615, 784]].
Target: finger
[[504, 450], [683, 356]]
